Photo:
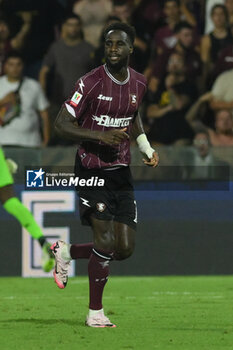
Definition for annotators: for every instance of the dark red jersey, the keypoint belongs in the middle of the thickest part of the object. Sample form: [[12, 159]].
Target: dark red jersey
[[100, 102]]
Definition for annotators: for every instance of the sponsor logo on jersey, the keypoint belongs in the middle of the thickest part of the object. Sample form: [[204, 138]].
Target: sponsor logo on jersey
[[105, 120], [133, 99], [76, 98], [100, 207], [104, 98]]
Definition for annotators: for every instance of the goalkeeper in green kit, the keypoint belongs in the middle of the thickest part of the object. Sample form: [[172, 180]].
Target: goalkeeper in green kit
[[14, 207]]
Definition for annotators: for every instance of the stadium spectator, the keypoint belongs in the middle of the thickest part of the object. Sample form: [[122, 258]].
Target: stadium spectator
[[218, 39], [202, 164], [209, 26], [166, 113], [14, 207], [222, 133], [184, 46], [7, 43], [24, 96], [68, 58], [46, 15], [93, 14], [174, 11], [149, 13]]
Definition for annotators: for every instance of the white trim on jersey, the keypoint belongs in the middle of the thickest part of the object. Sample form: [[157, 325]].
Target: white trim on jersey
[[114, 79], [70, 110]]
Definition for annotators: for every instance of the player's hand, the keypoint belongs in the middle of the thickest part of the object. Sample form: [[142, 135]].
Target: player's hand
[[114, 136], [154, 161]]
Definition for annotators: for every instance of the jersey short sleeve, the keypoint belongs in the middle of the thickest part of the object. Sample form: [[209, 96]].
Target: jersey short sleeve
[[81, 96]]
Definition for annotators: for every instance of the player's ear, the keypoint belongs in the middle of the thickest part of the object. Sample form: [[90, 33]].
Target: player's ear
[[131, 50]]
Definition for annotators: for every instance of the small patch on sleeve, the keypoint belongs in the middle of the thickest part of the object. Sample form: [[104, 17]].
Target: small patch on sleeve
[[76, 98]]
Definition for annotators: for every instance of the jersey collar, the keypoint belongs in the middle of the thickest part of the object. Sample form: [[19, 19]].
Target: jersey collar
[[114, 79]]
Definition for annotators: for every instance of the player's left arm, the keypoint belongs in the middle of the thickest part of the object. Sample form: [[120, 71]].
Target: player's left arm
[[45, 126], [151, 157]]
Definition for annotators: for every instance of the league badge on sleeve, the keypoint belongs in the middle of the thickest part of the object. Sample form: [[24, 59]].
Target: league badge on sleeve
[[76, 98]]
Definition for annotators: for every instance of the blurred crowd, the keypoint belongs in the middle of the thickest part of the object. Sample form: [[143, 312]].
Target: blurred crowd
[[183, 47]]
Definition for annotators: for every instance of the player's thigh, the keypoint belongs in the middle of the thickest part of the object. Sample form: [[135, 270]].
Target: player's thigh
[[125, 237], [103, 233]]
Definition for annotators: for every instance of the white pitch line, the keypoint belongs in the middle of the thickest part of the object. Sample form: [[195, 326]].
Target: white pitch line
[[185, 293]]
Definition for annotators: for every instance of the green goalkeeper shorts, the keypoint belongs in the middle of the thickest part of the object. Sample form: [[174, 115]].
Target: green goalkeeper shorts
[[5, 175]]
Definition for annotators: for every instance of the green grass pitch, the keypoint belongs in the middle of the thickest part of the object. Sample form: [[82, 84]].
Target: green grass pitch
[[181, 313]]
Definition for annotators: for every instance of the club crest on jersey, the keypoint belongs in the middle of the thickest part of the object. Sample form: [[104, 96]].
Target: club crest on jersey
[[133, 99], [105, 120], [100, 207], [76, 98]]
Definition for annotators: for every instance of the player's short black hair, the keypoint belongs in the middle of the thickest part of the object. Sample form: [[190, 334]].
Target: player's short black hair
[[124, 27], [182, 25]]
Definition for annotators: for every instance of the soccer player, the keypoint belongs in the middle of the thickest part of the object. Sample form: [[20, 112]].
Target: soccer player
[[14, 207], [101, 114]]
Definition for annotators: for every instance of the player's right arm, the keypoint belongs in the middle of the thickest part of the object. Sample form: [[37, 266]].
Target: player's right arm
[[67, 126]]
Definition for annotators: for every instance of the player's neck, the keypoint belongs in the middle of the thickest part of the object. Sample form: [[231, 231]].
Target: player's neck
[[119, 74]]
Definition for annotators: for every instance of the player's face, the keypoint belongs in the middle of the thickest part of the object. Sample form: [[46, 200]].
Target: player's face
[[14, 68], [185, 37], [223, 121], [117, 49], [201, 143], [219, 17]]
